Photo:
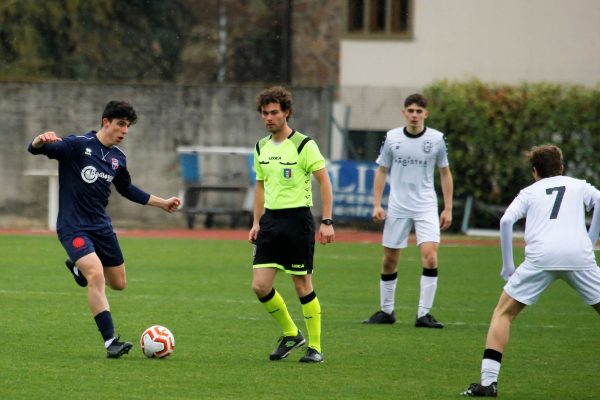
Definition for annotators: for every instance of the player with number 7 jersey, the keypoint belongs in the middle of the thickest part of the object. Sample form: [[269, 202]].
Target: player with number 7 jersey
[[555, 232], [557, 246]]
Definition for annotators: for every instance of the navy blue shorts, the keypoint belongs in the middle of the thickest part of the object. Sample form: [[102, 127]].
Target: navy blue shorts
[[286, 238], [104, 244]]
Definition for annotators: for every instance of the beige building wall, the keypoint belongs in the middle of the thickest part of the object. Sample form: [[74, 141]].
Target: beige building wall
[[507, 41]]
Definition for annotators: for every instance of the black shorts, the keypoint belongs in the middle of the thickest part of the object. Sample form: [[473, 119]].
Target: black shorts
[[103, 243], [286, 240]]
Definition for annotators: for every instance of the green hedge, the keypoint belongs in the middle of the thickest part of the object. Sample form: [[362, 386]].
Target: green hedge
[[489, 126]]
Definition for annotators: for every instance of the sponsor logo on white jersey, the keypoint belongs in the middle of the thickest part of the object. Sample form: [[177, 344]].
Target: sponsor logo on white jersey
[[427, 146]]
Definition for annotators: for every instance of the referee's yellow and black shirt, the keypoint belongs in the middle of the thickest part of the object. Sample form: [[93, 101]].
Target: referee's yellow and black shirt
[[286, 169]]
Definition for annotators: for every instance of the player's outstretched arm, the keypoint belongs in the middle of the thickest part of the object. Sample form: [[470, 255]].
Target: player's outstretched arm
[[42, 139], [169, 205]]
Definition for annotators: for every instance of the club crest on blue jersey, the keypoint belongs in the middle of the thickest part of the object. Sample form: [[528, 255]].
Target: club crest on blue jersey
[[115, 164], [427, 146], [287, 173]]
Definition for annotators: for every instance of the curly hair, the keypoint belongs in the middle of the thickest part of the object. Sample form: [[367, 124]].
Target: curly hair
[[276, 94]]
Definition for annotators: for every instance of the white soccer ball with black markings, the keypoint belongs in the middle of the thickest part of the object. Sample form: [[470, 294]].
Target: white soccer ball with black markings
[[157, 342]]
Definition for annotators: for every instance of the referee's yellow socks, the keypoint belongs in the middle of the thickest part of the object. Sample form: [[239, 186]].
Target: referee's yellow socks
[[275, 306], [311, 308]]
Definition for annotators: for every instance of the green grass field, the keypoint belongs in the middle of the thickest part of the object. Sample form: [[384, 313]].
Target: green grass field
[[200, 289]]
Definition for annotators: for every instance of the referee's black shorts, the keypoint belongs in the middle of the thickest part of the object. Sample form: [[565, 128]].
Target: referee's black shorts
[[286, 240]]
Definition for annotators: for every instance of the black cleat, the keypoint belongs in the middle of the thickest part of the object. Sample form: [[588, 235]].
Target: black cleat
[[312, 356], [427, 321], [80, 279], [381, 317], [116, 349], [478, 390], [286, 345]]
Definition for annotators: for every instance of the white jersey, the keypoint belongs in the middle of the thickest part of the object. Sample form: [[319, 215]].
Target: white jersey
[[411, 161], [555, 232]]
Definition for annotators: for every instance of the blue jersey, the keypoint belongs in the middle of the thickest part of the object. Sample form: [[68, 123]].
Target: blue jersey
[[86, 169]]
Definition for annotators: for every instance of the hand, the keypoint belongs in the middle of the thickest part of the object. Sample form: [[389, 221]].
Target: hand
[[378, 214], [46, 137], [171, 205], [507, 271], [446, 219], [326, 234], [253, 234]]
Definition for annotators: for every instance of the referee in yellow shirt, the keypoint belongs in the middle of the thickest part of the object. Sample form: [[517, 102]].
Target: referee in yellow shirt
[[283, 230]]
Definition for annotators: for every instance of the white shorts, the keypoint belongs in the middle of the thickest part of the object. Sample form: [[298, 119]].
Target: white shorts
[[527, 283], [396, 230]]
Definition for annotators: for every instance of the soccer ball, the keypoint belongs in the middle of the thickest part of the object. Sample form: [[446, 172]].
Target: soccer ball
[[157, 342]]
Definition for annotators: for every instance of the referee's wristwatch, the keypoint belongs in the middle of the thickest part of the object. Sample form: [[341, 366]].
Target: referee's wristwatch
[[327, 221]]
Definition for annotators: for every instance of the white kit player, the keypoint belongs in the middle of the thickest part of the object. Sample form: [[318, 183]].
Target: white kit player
[[558, 246], [410, 154]]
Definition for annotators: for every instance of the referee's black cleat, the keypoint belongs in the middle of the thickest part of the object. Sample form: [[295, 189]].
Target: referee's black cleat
[[478, 390], [381, 317], [427, 321], [116, 349], [312, 356], [80, 279], [286, 345]]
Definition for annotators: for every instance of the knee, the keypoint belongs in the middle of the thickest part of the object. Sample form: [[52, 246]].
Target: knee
[[430, 260], [261, 289], [303, 288], [95, 279]]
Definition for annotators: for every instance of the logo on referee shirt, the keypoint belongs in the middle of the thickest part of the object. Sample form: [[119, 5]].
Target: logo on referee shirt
[[287, 173]]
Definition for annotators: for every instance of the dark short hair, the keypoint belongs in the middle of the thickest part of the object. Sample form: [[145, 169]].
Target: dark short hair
[[547, 159], [276, 94], [120, 109], [416, 98]]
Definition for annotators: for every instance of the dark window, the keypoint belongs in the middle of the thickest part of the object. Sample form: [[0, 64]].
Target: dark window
[[379, 18], [356, 15], [365, 144], [399, 16]]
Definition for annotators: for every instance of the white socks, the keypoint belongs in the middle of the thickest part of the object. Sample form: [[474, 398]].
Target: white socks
[[428, 289], [387, 293], [490, 369]]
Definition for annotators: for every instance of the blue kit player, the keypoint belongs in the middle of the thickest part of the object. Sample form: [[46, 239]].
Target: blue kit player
[[87, 165]]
